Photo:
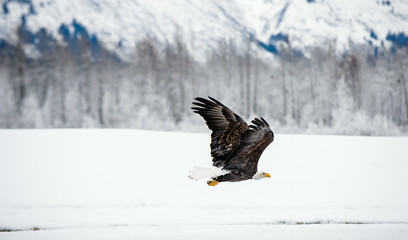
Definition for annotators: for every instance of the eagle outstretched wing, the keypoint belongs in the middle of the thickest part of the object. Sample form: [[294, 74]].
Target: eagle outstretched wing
[[253, 142], [227, 128]]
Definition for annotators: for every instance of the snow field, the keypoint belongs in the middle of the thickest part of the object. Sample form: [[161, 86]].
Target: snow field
[[128, 183], [239, 232]]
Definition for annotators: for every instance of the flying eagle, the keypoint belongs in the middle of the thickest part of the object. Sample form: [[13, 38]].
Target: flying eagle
[[235, 146]]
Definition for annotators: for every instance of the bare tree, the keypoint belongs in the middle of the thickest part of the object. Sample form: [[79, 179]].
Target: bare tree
[[19, 88]]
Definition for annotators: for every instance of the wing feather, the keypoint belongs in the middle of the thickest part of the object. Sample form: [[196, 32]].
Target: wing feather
[[226, 127], [253, 142]]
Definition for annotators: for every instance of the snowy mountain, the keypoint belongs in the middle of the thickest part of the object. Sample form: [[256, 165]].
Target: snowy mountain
[[201, 24], [305, 64]]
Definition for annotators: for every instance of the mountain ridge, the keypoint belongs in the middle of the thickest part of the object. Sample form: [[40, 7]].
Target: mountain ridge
[[201, 25]]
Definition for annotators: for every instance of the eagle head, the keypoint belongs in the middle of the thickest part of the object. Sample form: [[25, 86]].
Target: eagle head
[[260, 175]]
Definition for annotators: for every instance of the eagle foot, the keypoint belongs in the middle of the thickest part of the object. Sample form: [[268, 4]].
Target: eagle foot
[[212, 182]]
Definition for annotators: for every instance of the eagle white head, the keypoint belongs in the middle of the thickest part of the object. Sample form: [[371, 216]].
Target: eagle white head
[[260, 175]]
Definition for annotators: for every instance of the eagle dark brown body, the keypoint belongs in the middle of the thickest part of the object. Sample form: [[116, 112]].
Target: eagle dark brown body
[[235, 146]]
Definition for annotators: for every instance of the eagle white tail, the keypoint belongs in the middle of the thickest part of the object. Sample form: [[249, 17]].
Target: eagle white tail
[[199, 173]]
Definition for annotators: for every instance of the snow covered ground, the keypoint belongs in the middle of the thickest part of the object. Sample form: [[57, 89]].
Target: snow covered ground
[[133, 184]]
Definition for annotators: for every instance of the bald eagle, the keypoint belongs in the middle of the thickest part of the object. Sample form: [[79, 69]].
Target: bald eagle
[[235, 146]]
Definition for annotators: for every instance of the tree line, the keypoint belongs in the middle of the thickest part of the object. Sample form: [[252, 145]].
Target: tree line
[[363, 91]]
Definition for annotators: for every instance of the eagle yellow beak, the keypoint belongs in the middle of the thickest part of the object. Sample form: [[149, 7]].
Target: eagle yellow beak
[[267, 175], [212, 183]]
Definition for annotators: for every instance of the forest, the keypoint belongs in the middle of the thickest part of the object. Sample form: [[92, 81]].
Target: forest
[[80, 84]]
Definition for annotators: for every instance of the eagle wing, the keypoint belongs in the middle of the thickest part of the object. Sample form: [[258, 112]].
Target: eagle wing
[[227, 128], [253, 142]]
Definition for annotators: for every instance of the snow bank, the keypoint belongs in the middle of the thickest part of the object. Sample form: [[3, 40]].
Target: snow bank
[[58, 179]]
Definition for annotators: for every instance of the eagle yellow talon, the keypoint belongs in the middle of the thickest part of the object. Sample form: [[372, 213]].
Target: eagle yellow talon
[[212, 183]]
